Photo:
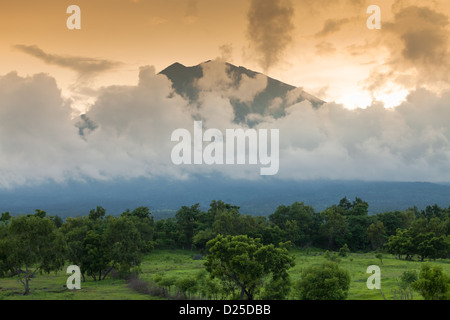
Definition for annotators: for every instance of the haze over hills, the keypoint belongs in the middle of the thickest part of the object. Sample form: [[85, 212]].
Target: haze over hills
[[259, 198]]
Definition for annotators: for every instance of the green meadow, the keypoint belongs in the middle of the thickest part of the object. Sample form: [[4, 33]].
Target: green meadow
[[176, 264]]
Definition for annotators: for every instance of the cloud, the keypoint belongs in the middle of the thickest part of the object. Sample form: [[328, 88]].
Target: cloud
[[269, 30], [226, 52], [218, 79], [126, 133], [38, 141], [417, 40], [191, 14], [332, 26], [85, 67], [408, 143], [325, 48]]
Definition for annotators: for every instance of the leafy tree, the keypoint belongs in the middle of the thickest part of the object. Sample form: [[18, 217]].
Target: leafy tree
[[273, 234], [345, 204], [359, 208], [401, 244], [6, 216], [335, 227], [429, 246], [166, 232], [202, 237], [392, 221], [96, 256], [276, 289], [297, 221], [74, 231], [125, 245], [433, 283], [186, 219], [97, 214], [57, 220], [245, 263], [31, 244], [40, 213], [206, 219], [324, 282], [412, 242], [143, 220], [431, 212], [356, 236], [228, 222], [376, 235]]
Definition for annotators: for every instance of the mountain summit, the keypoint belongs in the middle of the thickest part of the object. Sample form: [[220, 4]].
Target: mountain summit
[[272, 100]]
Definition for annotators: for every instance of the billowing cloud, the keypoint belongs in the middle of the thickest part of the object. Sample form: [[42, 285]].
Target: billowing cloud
[[417, 40], [127, 133], [269, 30], [38, 141]]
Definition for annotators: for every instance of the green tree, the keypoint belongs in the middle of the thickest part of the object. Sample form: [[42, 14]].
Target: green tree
[[245, 263], [6, 216], [356, 236], [187, 218], [324, 282], [429, 246], [96, 256], [433, 283], [74, 231], [31, 244], [143, 220], [297, 221], [97, 214], [166, 232], [125, 246], [392, 221], [401, 244], [376, 235], [277, 289], [229, 222], [334, 228]]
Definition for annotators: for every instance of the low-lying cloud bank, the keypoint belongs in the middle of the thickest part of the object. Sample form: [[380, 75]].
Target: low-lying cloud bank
[[127, 134]]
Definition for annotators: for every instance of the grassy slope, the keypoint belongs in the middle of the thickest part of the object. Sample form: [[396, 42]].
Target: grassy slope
[[181, 264]]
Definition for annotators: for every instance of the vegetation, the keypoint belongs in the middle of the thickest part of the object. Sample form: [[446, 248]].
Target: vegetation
[[324, 282], [433, 284], [244, 262], [237, 256]]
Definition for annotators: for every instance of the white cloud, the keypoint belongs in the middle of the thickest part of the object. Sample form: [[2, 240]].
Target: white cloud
[[130, 129]]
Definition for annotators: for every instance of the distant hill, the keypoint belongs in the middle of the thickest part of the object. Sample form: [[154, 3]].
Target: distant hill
[[164, 198], [184, 81]]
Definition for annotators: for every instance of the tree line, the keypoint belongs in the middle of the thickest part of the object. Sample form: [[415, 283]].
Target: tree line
[[413, 232], [101, 244]]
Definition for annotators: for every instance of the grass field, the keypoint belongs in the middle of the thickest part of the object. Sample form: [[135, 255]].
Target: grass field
[[178, 264]]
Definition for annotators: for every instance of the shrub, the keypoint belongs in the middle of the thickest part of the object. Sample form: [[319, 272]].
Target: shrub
[[407, 278], [433, 283], [324, 282], [344, 251]]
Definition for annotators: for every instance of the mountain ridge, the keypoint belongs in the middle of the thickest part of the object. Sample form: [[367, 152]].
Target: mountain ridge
[[184, 81]]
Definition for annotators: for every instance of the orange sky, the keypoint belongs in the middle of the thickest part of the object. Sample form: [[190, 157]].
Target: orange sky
[[331, 52]]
